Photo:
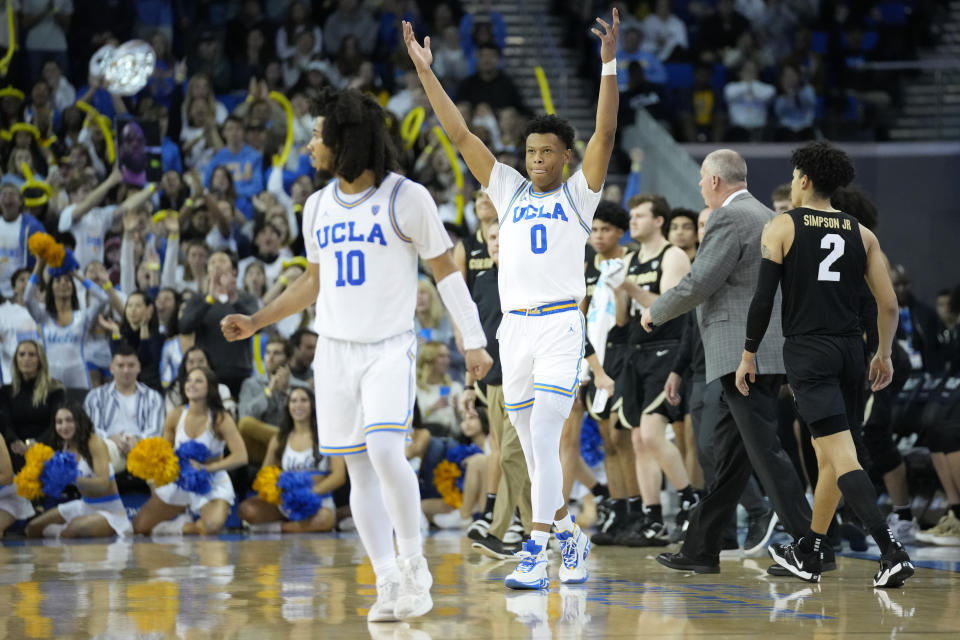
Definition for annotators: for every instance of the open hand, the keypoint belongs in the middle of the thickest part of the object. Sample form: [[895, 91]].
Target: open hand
[[608, 37], [881, 372], [422, 56]]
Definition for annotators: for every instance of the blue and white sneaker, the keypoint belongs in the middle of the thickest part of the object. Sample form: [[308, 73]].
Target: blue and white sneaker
[[531, 573], [574, 549]]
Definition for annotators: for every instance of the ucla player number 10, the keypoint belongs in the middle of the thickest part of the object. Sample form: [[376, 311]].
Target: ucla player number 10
[[350, 264]]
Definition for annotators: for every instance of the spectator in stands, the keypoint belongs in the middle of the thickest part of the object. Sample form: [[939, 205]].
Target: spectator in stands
[[192, 274], [16, 323], [64, 94], [140, 329], [243, 162], [63, 325], [490, 84], [199, 136], [298, 19], [701, 118], [270, 252], [438, 395], [721, 30], [200, 90], [263, 399], [748, 103], [294, 448], [795, 107], [632, 50], [202, 315], [166, 304], [775, 24], [28, 402], [665, 33], [206, 57], [16, 229], [45, 23], [641, 94], [124, 411], [303, 342], [350, 19], [251, 61], [449, 62], [431, 322], [746, 49], [203, 419], [86, 219]]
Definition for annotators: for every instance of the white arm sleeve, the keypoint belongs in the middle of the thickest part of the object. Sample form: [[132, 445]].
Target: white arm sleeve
[[456, 298]]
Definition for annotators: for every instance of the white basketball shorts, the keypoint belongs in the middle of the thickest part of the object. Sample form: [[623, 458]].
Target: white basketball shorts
[[541, 350], [363, 388]]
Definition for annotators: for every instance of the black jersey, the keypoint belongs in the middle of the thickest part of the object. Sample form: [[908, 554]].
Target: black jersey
[[823, 274], [477, 257], [591, 274], [647, 276]]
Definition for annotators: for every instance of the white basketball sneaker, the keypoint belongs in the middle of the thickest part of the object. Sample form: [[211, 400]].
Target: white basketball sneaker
[[382, 609], [531, 573], [574, 549], [413, 597]]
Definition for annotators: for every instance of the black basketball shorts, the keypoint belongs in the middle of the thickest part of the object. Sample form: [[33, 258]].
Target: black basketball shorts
[[825, 374], [641, 383], [613, 362]]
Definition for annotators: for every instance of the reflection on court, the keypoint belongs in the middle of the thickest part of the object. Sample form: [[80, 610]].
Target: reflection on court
[[313, 586]]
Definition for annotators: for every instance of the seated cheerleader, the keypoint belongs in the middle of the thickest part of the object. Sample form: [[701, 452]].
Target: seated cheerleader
[[170, 510], [12, 506], [99, 512], [294, 448], [469, 453]]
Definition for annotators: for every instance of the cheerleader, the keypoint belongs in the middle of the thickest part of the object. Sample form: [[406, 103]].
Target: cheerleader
[[294, 448], [170, 509], [63, 326], [12, 506], [99, 512]]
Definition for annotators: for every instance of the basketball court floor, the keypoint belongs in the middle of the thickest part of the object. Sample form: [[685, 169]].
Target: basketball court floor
[[320, 586]]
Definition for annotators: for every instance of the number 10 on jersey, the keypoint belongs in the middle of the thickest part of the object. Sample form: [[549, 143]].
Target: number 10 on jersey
[[350, 268]]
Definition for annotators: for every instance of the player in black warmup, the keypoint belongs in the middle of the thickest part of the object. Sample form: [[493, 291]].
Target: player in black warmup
[[822, 255]]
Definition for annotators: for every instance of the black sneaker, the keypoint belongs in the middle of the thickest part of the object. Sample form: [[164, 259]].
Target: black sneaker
[[682, 519], [828, 563], [478, 529], [895, 568], [806, 566], [651, 534], [604, 509], [492, 547]]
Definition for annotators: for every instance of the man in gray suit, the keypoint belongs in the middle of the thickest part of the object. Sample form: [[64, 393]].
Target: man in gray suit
[[720, 285]]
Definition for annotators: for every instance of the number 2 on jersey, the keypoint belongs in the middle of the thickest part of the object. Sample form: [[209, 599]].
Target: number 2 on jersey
[[836, 243], [538, 238], [353, 264]]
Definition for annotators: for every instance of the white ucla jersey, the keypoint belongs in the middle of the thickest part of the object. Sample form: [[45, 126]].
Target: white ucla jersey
[[367, 246], [542, 238]]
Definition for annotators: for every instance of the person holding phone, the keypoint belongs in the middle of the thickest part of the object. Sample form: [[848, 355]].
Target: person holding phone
[[438, 396]]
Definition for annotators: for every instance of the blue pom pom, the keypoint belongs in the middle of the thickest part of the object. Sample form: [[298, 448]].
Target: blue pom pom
[[59, 472], [195, 480], [69, 265], [591, 444], [299, 500], [461, 452]]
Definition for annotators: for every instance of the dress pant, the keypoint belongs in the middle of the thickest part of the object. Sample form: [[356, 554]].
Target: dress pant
[[745, 440], [514, 489]]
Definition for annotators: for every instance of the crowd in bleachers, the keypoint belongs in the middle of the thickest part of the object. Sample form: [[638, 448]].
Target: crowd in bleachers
[[165, 252]]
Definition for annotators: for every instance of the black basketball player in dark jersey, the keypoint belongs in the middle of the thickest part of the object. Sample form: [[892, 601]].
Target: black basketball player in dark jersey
[[822, 255], [654, 268]]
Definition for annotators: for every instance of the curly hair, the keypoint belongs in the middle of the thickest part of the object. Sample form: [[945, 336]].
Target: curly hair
[[551, 124], [854, 200], [355, 131], [612, 213], [828, 167]]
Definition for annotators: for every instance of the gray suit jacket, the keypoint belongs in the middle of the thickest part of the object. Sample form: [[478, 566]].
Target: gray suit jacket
[[721, 281]]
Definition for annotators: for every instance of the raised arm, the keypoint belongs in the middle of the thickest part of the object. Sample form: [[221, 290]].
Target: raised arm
[[95, 197], [37, 310], [597, 156], [474, 152]]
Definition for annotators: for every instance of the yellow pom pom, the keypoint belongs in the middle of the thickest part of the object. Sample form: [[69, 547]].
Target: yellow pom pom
[[154, 460], [55, 255], [265, 484], [445, 476], [43, 246], [38, 454]]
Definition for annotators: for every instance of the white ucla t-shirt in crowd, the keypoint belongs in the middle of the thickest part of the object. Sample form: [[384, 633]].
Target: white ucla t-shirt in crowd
[[542, 238], [89, 231], [367, 246]]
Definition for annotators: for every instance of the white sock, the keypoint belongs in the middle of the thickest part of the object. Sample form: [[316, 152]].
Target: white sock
[[540, 538], [53, 530], [409, 547], [385, 567], [267, 527], [564, 524]]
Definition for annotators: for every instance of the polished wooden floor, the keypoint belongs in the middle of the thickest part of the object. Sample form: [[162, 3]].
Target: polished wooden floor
[[319, 586]]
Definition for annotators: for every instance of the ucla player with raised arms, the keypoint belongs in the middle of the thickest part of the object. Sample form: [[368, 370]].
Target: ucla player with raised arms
[[364, 233], [544, 225]]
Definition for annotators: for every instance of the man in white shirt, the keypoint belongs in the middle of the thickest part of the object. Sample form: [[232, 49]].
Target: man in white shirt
[[124, 411], [15, 229], [748, 101]]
